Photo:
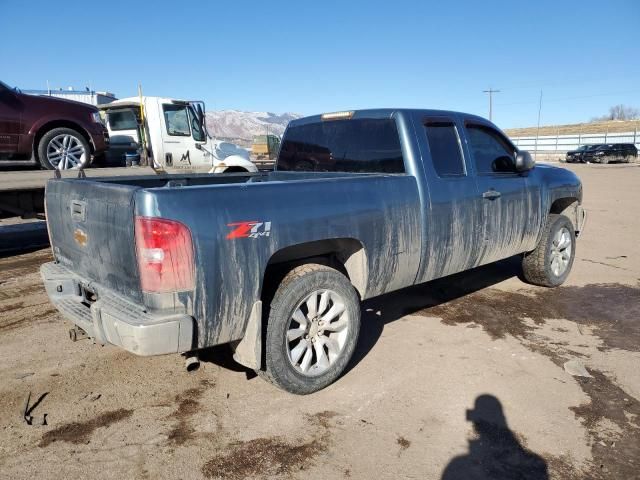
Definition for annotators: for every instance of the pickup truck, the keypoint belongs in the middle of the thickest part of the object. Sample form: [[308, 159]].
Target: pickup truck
[[361, 203]]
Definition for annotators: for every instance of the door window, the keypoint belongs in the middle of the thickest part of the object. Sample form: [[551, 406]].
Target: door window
[[196, 127], [444, 145], [177, 120], [492, 152]]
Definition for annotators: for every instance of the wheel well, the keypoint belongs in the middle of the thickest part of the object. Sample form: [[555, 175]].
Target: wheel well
[[235, 170], [347, 255], [566, 206], [59, 124]]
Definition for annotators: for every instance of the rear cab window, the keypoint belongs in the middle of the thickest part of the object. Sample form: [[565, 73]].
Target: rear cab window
[[364, 145], [122, 120], [445, 147]]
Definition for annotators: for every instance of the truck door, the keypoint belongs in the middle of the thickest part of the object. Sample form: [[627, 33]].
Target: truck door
[[181, 132], [10, 120], [511, 204], [453, 226]]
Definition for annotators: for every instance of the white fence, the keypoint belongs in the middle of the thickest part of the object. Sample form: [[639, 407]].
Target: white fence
[[564, 143]]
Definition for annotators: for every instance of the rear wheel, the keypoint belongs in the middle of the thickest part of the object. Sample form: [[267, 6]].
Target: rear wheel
[[312, 329], [551, 261], [62, 149]]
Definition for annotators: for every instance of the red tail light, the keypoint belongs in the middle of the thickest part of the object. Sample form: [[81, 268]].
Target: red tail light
[[165, 255]]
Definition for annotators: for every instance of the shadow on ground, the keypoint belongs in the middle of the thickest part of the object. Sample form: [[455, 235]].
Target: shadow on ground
[[495, 453], [379, 311]]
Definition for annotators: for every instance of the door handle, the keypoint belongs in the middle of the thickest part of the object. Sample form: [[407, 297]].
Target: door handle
[[491, 195]]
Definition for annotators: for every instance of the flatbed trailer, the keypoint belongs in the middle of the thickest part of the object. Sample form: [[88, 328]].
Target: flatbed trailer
[[22, 192]]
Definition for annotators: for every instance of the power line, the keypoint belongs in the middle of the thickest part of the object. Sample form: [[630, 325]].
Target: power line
[[490, 92], [561, 99]]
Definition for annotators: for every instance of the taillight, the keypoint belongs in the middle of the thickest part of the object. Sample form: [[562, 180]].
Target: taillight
[[165, 255]]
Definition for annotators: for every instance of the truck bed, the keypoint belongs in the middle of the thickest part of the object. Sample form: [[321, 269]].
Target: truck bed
[[92, 230]]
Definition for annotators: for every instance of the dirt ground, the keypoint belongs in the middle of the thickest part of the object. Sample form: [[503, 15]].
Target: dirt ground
[[458, 378]]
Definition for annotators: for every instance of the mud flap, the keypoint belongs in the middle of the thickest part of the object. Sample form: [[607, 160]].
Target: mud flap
[[581, 217], [248, 351]]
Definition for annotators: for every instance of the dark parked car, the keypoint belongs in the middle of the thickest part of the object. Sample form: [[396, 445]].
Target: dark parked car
[[612, 152], [49, 131], [576, 155]]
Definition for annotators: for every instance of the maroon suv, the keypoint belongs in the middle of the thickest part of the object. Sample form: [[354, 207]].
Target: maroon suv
[[49, 131]]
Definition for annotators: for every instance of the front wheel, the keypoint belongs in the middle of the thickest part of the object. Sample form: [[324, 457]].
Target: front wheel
[[312, 329], [551, 261], [62, 149]]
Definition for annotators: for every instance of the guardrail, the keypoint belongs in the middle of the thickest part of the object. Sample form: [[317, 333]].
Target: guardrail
[[564, 143]]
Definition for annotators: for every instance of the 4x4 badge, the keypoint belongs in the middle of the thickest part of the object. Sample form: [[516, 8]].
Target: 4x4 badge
[[249, 230]]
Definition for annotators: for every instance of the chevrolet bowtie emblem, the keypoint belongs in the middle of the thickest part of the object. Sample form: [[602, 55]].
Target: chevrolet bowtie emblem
[[80, 237]]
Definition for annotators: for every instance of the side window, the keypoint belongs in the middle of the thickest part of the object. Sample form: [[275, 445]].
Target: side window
[[177, 120], [444, 145], [492, 153], [196, 127]]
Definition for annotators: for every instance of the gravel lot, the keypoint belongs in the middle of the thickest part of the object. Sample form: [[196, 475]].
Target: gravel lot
[[459, 378]]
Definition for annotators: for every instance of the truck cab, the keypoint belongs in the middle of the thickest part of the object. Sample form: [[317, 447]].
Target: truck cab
[[171, 133]]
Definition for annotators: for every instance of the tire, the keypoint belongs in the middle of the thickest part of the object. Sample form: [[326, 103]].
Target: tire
[[297, 365], [303, 166], [63, 148], [546, 266]]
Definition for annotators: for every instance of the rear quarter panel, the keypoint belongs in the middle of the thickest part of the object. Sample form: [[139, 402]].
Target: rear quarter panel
[[382, 212]]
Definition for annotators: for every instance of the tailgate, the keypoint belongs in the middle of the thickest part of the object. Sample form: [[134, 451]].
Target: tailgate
[[91, 232]]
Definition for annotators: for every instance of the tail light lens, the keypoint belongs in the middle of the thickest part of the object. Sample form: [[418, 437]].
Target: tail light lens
[[165, 255]]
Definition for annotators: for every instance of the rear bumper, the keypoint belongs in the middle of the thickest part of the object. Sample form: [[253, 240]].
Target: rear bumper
[[111, 319]]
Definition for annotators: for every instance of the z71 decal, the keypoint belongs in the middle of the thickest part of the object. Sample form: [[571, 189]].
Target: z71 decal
[[249, 230]]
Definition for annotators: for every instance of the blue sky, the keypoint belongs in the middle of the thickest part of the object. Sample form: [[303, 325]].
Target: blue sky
[[319, 56]]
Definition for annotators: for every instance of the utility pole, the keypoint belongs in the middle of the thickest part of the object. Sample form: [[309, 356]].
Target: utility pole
[[538, 127], [490, 92]]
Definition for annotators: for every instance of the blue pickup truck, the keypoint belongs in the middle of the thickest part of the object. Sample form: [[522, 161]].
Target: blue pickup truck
[[360, 203]]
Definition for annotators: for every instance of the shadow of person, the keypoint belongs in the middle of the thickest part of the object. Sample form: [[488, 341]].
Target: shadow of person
[[495, 453]]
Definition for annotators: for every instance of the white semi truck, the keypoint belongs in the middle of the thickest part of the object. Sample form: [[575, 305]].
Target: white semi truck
[[169, 134]]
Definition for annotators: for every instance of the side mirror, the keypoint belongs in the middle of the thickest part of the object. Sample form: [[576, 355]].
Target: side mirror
[[198, 146], [524, 161]]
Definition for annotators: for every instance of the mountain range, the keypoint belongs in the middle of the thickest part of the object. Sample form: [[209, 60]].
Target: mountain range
[[241, 127]]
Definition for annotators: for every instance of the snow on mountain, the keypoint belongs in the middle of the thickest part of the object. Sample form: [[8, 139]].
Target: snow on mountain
[[236, 125]]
